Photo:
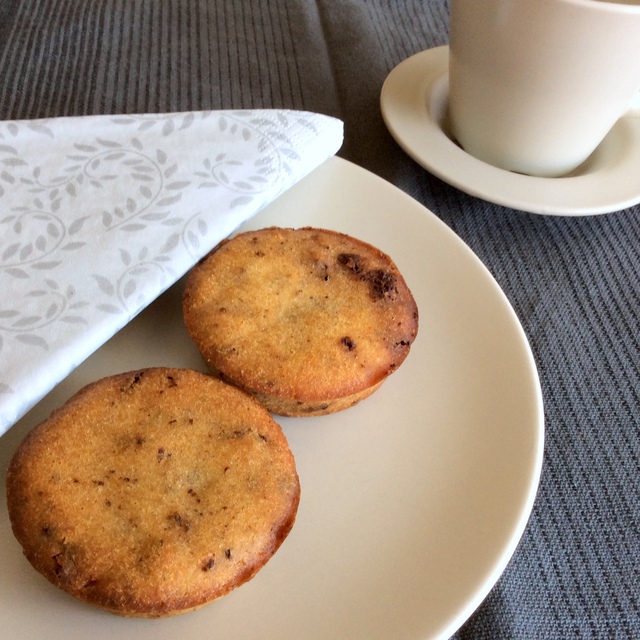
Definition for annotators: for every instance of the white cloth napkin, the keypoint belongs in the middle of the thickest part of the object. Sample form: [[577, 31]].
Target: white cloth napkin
[[100, 214]]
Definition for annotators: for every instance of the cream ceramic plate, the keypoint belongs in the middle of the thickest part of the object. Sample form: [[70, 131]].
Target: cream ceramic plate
[[414, 106], [412, 502]]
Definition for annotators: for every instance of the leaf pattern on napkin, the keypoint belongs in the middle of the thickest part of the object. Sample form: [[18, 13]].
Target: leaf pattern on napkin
[[100, 214]]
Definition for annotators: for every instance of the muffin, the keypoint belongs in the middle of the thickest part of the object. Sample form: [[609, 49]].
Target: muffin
[[152, 493], [309, 321]]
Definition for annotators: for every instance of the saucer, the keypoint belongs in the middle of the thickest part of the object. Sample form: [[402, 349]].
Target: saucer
[[414, 101]]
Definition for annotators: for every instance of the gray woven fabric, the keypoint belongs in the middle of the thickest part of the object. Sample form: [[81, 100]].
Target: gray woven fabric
[[574, 282]]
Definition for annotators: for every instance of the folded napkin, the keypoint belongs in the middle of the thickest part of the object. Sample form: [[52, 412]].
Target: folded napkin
[[100, 214]]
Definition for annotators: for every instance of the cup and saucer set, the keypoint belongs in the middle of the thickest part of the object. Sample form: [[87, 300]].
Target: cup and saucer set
[[414, 103]]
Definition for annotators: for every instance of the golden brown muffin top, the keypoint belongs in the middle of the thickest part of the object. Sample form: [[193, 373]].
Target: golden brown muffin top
[[307, 314], [153, 492]]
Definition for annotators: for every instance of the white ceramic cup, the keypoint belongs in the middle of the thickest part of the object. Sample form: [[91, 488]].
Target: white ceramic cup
[[535, 85]]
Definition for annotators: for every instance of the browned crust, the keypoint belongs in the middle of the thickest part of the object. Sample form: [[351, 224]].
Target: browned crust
[[154, 492], [302, 409], [300, 317]]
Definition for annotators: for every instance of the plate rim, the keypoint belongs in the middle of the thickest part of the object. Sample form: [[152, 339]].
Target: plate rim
[[528, 504]]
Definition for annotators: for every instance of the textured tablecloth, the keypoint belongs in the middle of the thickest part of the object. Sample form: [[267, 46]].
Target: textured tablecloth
[[574, 282]]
